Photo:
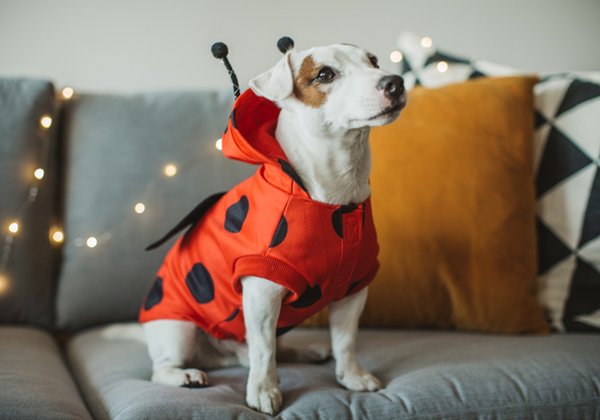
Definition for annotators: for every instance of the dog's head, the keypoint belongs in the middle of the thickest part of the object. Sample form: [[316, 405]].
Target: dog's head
[[341, 85]]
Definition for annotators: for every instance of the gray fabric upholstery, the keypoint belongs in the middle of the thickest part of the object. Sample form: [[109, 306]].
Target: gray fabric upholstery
[[26, 292], [426, 374], [34, 381], [117, 148]]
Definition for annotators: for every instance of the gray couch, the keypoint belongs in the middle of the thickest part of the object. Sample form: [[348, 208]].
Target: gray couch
[[61, 359]]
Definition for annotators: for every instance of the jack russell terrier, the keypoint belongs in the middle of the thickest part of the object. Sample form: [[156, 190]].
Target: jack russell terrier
[[294, 238]]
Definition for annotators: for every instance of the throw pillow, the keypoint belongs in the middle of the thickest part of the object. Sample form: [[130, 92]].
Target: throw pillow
[[423, 64], [453, 200], [568, 199]]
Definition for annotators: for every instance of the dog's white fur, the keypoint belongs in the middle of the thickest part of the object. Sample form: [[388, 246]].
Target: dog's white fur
[[327, 144]]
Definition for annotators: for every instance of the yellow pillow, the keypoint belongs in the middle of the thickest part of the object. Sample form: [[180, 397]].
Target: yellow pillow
[[454, 206]]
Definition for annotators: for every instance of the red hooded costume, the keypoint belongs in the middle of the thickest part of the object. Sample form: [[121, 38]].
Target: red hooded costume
[[269, 227]]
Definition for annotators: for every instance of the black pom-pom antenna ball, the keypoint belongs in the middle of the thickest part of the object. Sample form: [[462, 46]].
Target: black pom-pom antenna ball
[[285, 44], [220, 51]]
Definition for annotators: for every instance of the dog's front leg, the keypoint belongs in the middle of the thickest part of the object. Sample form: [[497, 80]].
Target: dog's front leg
[[261, 305], [343, 322]]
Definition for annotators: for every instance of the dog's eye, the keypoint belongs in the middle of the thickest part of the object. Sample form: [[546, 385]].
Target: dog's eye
[[325, 75], [374, 61]]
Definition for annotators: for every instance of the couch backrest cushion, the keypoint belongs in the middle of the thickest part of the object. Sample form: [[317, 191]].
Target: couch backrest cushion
[[26, 256], [117, 149]]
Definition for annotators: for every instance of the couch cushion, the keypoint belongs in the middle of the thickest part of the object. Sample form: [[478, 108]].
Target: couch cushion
[[34, 381], [426, 374], [26, 257], [117, 150]]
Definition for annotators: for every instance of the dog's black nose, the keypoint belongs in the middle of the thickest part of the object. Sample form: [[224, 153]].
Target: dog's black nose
[[392, 85]]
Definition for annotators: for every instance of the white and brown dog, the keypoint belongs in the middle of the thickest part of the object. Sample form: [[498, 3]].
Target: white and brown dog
[[330, 97]]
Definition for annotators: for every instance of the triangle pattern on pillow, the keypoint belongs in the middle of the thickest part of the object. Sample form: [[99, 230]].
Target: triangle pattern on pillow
[[579, 92], [560, 160], [582, 305]]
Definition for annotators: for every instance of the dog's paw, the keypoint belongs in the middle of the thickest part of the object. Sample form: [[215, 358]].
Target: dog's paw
[[191, 378], [317, 353], [264, 396], [358, 379]]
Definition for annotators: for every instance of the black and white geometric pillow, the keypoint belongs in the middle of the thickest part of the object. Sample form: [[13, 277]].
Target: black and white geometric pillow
[[567, 162], [567, 165], [421, 64]]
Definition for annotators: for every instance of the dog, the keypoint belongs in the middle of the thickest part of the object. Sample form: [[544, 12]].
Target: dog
[[307, 122]]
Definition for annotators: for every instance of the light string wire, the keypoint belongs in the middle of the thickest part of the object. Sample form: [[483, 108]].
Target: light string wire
[[107, 235], [56, 235]]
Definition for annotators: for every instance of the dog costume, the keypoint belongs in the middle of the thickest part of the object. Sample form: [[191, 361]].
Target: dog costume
[[269, 227]]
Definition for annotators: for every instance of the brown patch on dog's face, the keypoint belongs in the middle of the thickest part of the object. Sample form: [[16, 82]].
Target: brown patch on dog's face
[[305, 88]]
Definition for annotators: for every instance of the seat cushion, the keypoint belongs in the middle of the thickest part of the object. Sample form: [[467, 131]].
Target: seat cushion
[[426, 374], [34, 381], [26, 145]]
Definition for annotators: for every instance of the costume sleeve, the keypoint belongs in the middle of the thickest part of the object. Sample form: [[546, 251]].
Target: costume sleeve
[[364, 282], [272, 269]]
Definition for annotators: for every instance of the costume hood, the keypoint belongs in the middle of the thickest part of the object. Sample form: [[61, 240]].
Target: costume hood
[[250, 133]]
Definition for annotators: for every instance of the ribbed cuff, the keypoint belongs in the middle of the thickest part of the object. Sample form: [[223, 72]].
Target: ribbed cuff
[[271, 269]]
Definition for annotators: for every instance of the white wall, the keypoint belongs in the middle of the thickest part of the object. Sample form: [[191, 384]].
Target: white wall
[[135, 45]]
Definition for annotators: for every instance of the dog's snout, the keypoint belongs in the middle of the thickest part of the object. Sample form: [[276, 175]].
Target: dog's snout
[[392, 85]]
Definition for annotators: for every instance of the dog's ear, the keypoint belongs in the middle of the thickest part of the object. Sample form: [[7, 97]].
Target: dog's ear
[[275, 84]]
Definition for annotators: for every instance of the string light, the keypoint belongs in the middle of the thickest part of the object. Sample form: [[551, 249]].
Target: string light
[[442, 66], [92, 242], [46, 121], [396, 57], [58, 236], [13, 227], [219, 144], [140, 208], [170, 170], [39, 173], [426, 42], [3, 282], [67, 93]]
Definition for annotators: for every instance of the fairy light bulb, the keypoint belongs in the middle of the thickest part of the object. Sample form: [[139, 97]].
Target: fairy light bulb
[[140, 208], [13, 227], [219, 144], [426, 42], [91, 242], [39, 173], [3, 282], [58, 236], [68, 92], [170, 170], [396, 57], [442, 66], [46, 121]]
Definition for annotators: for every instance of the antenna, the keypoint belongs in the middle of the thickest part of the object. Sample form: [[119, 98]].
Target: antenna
[[220, 51]]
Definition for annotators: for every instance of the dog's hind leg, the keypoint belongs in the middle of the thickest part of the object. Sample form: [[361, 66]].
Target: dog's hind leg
[[172, 346], [309, 353]]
